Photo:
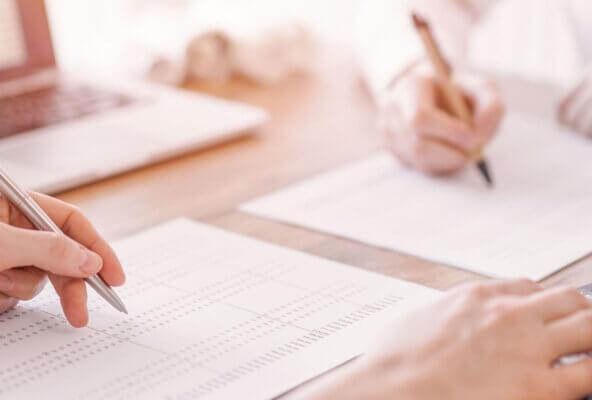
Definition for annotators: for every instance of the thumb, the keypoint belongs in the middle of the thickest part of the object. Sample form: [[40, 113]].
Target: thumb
[[52, 252]]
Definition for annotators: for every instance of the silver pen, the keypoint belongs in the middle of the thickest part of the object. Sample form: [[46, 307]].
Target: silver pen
[[40, 220]]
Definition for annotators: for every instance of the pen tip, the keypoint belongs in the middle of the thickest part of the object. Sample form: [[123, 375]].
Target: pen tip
[[485, 172], [118, 303]]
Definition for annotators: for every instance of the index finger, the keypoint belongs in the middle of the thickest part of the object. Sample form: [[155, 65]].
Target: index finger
[[74, 224]]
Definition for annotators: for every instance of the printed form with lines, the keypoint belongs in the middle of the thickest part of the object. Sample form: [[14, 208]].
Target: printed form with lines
[[213, 315]]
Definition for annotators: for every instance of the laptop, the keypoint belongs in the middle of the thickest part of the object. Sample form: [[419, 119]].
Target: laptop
[[59, 131]]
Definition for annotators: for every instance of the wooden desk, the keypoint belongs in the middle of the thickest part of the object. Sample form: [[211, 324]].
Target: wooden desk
[[317, 123]]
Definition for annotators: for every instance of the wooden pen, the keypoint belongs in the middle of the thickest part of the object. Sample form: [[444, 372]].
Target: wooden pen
[[454, 99]]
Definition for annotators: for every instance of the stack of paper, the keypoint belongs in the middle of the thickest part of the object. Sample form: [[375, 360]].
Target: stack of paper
[[213, 315]]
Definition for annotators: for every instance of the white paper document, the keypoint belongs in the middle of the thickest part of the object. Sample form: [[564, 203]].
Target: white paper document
[[536, 220], [213, 315]]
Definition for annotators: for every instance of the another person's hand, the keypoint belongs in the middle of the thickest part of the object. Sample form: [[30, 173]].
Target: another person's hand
[[28, 256], [575, 110], [491, 341], [426, 136]]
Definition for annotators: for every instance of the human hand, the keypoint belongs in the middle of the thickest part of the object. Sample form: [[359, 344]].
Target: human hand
[[424, 135], [492, 341], [27, 256], [575, 110]]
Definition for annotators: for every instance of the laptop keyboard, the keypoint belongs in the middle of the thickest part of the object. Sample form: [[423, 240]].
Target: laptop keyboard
[[49, 106]]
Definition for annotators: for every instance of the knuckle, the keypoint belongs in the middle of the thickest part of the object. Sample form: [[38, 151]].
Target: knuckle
[[503, 310], [473, 295], [478, 292], [75, 212], [58, 246], [500, 308]]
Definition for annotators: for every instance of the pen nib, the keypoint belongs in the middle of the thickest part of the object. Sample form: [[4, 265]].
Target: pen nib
[[484, 170], [118, 304]]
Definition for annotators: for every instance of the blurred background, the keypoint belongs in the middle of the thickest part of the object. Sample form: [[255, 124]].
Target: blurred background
[[129, 36], [133, 36]]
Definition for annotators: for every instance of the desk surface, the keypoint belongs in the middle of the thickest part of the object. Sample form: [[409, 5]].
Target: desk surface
[[318, 122]]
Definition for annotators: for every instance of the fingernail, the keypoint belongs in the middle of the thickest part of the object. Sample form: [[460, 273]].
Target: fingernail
[[6, 283], [92, 263]]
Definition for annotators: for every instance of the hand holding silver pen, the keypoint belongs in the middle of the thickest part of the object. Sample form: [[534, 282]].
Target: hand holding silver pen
[[69, 257]]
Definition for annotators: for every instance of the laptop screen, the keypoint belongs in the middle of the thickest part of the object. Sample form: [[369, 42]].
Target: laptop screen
[[25, 40], [12, 40]]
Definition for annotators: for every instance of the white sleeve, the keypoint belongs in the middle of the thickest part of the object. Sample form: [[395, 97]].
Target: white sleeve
[[386, 43]]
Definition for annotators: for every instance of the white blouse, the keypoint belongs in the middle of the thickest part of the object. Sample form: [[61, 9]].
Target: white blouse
[[548, 40]]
